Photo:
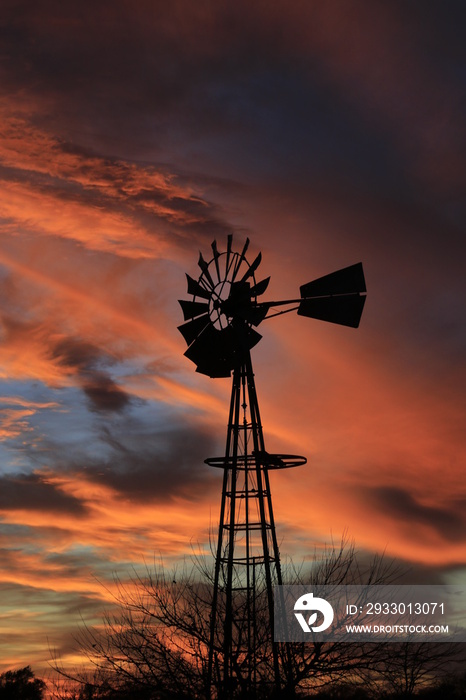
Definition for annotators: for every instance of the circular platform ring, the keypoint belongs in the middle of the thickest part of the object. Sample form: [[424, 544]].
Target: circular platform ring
[[266, 460]]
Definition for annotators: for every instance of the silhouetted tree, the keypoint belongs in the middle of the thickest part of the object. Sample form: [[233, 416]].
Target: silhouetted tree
[[21, 685], [407, 668], [155, 646], [157, 643], [451, 687], [343, 691]]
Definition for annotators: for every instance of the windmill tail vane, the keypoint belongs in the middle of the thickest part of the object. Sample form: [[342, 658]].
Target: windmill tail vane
[[220, 322]]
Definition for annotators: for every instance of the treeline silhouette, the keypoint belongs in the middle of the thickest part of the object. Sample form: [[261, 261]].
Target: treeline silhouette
[[451, 688], [154, 645], [21, 684]]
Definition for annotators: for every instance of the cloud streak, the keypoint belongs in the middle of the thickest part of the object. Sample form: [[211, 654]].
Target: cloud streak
[[128, 209], [34, 492], [400, 504]]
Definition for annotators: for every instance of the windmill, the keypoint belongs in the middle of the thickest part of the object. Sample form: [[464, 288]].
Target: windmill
[[220, 331]]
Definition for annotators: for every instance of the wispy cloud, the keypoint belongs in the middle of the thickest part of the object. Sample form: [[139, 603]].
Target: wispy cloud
[[53, 188], [35, 492]]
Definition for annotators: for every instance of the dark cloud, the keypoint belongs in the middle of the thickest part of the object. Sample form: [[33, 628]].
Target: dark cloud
[[35, 492], [84, 358], [162, 75], [76, 353], [154, 197], [164, 69], [52, 611], [104, 394], [402, 505], [418, 574], [395, 570], [157, 465]]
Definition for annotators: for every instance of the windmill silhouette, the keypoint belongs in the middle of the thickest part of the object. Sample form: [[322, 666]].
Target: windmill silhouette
[[219, 328]]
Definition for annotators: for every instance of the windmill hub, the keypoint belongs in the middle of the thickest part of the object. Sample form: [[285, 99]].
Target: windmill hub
[[238, 304]]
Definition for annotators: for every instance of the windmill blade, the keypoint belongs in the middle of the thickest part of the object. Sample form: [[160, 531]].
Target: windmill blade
[[245, 249], [213, 352], [216, 257], [227, 262], [240, 258], [191, 309], [253, 267], [345, 309], [252, 338], [216, 352], [196, 289], [191, 329], [205, 269], [260, 287], [216, 369], [349, 280]]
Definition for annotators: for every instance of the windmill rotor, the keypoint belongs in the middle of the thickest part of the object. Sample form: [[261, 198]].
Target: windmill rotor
[[225, 309]]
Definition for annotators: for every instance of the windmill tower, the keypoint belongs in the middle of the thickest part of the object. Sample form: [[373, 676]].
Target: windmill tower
[[219, 328]]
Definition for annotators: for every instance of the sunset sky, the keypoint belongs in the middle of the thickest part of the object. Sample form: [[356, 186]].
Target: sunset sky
[[133, 134]]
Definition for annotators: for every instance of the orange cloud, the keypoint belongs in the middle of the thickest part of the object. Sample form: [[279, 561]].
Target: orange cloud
[[29, 151], [109, 523], [367, 431], [12, 423], [75, 305], [42, 213]]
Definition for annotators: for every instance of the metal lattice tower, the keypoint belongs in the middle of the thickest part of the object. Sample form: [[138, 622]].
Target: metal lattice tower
[[247, 548], [219, 330]]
